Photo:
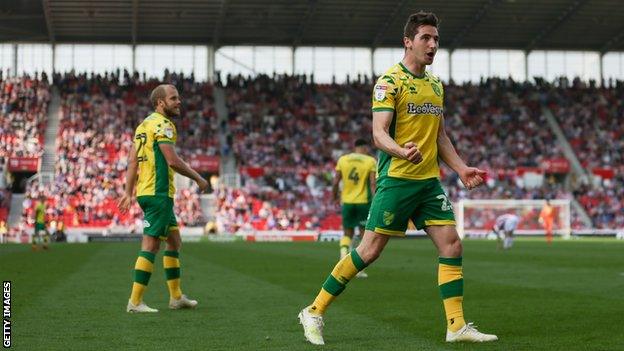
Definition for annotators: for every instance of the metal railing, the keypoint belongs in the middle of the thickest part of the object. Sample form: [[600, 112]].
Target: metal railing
[[44, 179]]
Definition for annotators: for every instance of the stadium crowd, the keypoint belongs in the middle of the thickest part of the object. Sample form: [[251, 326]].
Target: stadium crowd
[[498, 126], [23, 112], [591, 119], [5, 192], [286, 132], [5, 203], [98, 116]]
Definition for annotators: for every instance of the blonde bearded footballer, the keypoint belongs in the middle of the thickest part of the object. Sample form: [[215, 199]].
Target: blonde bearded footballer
[[408, 129], [155, 159]]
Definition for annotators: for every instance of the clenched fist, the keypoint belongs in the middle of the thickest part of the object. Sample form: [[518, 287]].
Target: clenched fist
[[411, 153]]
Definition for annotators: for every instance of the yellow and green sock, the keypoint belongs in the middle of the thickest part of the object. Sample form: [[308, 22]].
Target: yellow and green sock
[[451, 283], [171, 263], [337, 281], [143, 269]]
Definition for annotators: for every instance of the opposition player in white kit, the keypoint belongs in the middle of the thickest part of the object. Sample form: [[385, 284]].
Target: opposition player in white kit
[[504, 228]]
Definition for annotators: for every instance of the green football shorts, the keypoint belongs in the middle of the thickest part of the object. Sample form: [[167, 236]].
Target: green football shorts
[[158, 217], [397, 201], [39, 227], [354, 215]]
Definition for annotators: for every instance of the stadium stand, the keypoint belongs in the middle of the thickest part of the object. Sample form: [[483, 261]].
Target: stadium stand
[[23, 107], [591, 120], [287, 132], [497, 126], [5, 202], [287, 121], [5, 192], [99, 114], [23, 112]]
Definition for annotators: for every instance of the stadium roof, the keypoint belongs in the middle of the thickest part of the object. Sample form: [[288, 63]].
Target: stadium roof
[[510, 24]]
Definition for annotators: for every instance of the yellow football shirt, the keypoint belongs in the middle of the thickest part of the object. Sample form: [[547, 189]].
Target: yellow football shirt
[[40, 213], [155, 175], [417, 103], [355, 169]]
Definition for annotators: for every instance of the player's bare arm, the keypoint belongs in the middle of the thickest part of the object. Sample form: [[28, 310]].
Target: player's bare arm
[[177, 164], [383, 141], [336, 184], [131, 177], [472, 177]]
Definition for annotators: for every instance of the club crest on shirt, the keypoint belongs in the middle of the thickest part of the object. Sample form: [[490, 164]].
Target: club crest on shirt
[[388, 217], [168, 132], [380, 92]]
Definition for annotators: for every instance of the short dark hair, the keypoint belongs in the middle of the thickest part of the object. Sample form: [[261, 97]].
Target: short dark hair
[[159, 93], [361, 142], [420, 18]]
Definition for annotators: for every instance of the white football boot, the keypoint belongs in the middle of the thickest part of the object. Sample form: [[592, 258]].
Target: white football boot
[[140, 308], [361, 274], [469, 333], [182, 302], [312, 327]]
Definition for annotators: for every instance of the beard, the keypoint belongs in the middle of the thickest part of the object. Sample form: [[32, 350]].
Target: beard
[[171, 111]]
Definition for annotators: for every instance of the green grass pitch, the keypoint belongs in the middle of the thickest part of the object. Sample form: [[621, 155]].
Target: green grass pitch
[[567, 296]]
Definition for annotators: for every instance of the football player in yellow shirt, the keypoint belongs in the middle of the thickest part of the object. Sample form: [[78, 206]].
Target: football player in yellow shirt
[[40, 234], [356, 171], [408, 129], [151, 166]]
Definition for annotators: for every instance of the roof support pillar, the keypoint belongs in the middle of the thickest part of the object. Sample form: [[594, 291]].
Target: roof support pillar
[[601, 68], [526, 66], [210, 64], [292, 60], [134, 58], [372, 64], [14, 61], [450, 64], [53, 58]]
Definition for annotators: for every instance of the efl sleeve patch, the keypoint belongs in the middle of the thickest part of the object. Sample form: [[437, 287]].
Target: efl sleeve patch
[[380, 92], [384, 94]]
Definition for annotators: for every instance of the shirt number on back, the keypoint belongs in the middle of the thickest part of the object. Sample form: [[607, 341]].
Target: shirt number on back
[[354, 176], [142, 139]]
